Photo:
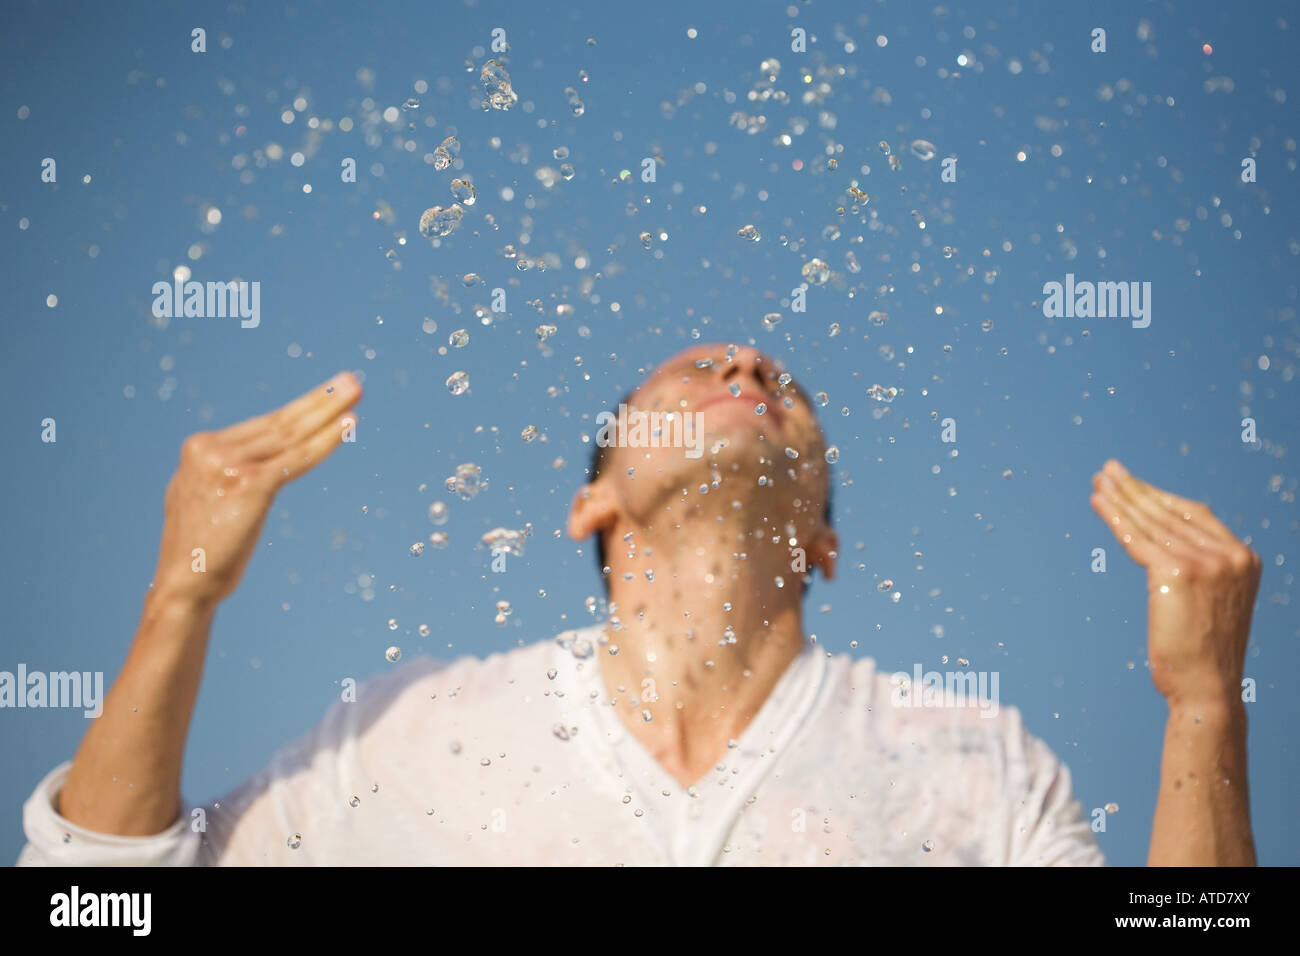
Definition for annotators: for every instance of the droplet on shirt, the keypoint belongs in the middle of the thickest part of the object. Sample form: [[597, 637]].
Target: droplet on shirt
[[394, 654], [1112, 808], [458, 339], [923, 150], [294, 841], [749, 233], [354, 802], [529, 433], [928, 846], [885, 585], [424, 630], [560, 731]]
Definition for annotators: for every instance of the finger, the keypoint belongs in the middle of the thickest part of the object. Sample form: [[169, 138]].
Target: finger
[[277, 431], [292, 463], [1115, 513], [1158, 521], [1186, 513]]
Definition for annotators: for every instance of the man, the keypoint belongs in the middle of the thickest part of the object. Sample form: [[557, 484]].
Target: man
[[697, 726]]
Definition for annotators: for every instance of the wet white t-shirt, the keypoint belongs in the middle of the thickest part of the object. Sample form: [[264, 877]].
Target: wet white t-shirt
[[496, 762]]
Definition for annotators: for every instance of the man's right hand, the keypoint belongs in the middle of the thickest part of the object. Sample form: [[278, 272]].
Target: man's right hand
[[125, 778], [221, 493]]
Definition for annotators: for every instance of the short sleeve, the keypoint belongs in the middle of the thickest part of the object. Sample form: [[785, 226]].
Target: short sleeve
[[1047, 825], [53, 840]]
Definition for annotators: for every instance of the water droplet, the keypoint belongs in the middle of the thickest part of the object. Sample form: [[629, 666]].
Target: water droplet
[[816, 271], [771, 320], [437, 222], [529, 433], [505, 541], [760, 408], [560, 152], [923, 150], [458, 383], [885, 585], [394, 654], [496, 84], [438, 512], [424, 630], [927, 846], [1112, 808], [458, 339], [485, 762], [749, 233], [647, 716], [463, 191], [647, 240], [392, 623], [884, 147], [560, 731], [791, 453], [832, 454], [882, 393], [822, 399], [575, 102], [417, 549], [467, 481], [294, 841], [986, 325], [877, 318], [355, 801], [411, 104]]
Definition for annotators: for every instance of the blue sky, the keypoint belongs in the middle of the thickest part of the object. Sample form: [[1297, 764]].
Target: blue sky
[[1115, 166]]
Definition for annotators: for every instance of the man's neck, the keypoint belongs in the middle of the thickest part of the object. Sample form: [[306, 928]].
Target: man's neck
[[700, 646]]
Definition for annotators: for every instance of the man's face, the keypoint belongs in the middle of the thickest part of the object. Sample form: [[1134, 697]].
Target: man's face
[[775, 458]]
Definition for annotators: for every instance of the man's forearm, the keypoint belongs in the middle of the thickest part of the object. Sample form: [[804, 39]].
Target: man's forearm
[[125, 778], [1203, 810]]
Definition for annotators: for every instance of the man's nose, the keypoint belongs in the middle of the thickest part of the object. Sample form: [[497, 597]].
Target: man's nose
[[748, 364]]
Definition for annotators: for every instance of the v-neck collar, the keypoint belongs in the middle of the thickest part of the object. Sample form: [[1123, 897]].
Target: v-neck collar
[[692, 822]]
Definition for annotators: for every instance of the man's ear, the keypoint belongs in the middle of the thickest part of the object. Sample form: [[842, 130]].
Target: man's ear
[[594, 509], [822, 550]]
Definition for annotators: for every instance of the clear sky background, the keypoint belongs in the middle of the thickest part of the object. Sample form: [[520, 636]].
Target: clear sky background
[[1123, 165]]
